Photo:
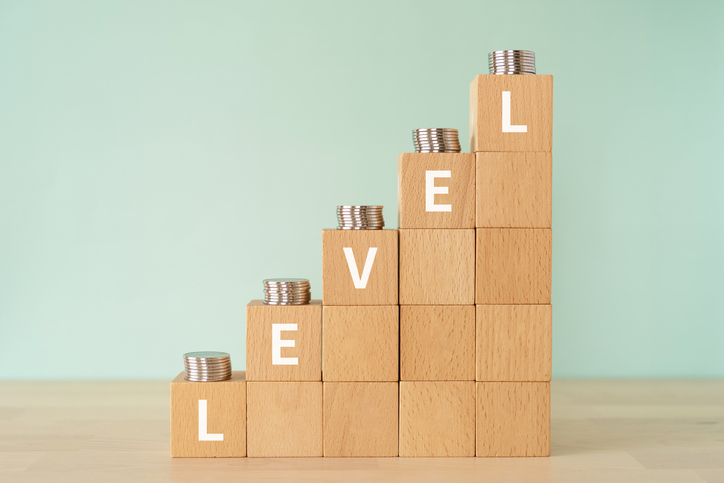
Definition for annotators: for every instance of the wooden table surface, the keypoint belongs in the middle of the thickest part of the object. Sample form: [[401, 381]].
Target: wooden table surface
[[618, 431]]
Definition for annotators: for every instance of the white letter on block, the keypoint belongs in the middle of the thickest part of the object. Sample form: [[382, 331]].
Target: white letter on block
[[203, 435], [506, 116], [431, 190], [278, 343], [360, 282]]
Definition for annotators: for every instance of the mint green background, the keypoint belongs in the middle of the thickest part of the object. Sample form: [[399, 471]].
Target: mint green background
[[159, 159]]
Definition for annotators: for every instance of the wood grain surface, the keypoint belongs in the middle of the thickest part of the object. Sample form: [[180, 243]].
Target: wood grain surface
[[513, 419], [437, 418], [338, 284], [513, 342], [284, 419], [531, 104], [626, 431], [513, 190], [360, 418], [225, 413], [513, 266], [437, 267], [361, 343], [412, 190], [437, 342], [307, 341]]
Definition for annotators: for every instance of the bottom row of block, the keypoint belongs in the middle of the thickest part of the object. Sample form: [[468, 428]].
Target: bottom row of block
[[287, 419]]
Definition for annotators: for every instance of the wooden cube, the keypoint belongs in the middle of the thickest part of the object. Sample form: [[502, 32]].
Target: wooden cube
[[513, 342], [513, 419], [360, 418], [360, 343], [513, 190], [208, 419], [511, 113], [437, 418], [359, 267], [283, 342], [436, 190], [284, 419], [437, 342], [437, 267], [513, 266]]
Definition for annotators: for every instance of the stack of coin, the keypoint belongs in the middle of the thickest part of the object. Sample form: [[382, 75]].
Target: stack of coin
[[287, 291], [352, 217], [207, 366], [511, 62], [436, 140]]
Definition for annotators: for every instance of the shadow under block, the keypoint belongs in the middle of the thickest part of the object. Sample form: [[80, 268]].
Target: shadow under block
[[208, 419], [437, 418], [513, 266], [276, 350], [437, 342], [513, 418], [437, 267], [348, 277], [284, 419], [530, 105], [361, 343], [513, 342], [360, 418], [513, 190], [436, 190]]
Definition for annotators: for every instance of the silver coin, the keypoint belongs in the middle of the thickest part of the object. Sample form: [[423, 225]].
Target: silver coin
[[208, 368], [193, 379], [202, 363], [286, 289], [206, 355], [360, 227], [286, 280], [206, 374], [345, 209], [287, 296], [283, 302]]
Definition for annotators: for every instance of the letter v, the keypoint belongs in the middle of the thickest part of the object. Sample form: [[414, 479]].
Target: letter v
[[360, 282]]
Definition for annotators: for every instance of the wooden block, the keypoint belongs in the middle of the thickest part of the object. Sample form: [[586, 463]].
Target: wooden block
[[436, 190], [528, 108], [208, 419], [437, 267], [513, 266], [359, 267], [360, 418], [513, 418], [283, 342], [361, 343], [437, 342], [284, 419], [437, 418], [513, 190], [513, 342]]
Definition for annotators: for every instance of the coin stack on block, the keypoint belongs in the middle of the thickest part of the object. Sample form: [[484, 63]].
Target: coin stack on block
[[436, 140], [511, 62], [207, 366], [360, 217], [287, 291]]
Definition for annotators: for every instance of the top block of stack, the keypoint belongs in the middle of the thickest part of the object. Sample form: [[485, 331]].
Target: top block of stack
[[511, 113]]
